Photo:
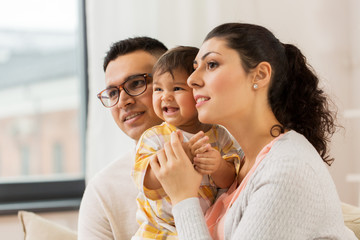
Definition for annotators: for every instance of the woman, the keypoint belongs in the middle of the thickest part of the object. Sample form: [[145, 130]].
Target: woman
[[266, 95]]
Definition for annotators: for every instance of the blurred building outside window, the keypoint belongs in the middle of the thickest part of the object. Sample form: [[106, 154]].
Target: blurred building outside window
[[40, 90]]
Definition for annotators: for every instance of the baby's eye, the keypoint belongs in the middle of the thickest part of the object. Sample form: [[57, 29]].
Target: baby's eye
[[195, 65], [212, 65], [157, 89], [178, 88]]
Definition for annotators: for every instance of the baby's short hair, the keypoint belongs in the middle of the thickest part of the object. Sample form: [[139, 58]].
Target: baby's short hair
[[181, 57]]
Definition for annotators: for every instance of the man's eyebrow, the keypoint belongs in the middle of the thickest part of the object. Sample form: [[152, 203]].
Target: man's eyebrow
[[110, 86], [127, 78]]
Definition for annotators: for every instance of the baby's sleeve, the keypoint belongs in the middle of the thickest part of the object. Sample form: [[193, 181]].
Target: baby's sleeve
[[147, 146], [229, 148]]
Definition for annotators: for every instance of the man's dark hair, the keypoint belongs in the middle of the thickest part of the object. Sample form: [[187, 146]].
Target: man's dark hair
[[129, 45]]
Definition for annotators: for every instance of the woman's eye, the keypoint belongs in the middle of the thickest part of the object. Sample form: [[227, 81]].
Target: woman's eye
[[212, 65]]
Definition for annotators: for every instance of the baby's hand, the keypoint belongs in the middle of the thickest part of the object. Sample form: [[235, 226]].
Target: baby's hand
[[208, 161], [197, 144]]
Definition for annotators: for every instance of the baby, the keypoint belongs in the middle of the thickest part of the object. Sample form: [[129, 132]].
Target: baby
[[209, 147]]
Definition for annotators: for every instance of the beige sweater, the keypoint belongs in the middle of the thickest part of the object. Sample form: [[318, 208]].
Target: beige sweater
[[108, 208], [291, 195]]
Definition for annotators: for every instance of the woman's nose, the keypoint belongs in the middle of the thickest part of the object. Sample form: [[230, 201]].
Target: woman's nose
[[194, 80]]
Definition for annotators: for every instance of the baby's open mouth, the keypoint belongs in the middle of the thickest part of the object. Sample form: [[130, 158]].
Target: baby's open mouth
[[170, 109]]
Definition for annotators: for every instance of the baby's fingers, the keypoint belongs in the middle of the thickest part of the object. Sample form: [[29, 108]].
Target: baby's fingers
[[203, 148], [202, 171]]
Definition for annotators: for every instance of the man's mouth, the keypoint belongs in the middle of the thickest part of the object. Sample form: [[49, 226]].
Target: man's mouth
[[131, 116]]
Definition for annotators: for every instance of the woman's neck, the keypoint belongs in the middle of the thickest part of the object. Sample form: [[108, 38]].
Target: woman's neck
[[253, 134]]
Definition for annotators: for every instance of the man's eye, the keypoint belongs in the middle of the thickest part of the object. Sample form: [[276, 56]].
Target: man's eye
[[113, 93], [136, 84]]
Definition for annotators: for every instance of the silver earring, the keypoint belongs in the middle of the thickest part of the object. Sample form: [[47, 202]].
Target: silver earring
[[255, 86]]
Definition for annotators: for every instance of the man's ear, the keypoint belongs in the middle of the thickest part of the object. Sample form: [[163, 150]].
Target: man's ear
[[262, 75]]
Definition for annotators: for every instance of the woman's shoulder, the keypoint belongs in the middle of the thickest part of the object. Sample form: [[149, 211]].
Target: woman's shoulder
[[294, 161], [294, 174], [294, 147]]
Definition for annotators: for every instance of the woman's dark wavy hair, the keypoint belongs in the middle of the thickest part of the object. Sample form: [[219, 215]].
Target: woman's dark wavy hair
[[294, 94]]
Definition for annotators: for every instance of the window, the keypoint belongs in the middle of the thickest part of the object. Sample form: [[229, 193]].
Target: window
[[24, 163], [43, 104], [58, 158]]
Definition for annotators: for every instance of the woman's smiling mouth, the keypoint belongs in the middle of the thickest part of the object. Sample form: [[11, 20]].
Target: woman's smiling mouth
[[201, 100]]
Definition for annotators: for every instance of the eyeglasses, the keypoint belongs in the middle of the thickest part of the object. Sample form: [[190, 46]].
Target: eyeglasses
[[133, 86]]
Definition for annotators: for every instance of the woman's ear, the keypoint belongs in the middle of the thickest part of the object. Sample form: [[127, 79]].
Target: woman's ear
[[262, 75]]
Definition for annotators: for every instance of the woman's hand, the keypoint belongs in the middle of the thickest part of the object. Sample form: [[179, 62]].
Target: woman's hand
[[175, 171]]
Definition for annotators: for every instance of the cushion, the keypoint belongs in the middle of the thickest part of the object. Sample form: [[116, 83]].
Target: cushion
[[36, 227], [352, 218]]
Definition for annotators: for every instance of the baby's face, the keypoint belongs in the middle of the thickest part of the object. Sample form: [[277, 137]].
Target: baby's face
[[173, 100]]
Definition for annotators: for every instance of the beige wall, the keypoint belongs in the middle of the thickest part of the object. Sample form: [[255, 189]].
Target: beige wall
[[327, 31]]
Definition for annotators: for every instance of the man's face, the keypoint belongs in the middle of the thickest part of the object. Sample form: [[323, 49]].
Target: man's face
[[133, 115]]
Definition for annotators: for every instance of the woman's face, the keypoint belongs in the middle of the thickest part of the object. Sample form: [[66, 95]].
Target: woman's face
[[221, 87]]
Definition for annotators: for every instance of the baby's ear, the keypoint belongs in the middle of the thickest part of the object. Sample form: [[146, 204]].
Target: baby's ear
[[180, 135]]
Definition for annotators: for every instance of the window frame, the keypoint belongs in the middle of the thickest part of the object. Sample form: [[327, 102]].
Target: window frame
[[54, 195]]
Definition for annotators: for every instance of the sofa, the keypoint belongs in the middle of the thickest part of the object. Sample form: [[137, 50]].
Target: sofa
[[39, 228]]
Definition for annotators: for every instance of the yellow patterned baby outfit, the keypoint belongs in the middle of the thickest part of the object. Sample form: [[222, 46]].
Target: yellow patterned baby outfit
[[154, 206]]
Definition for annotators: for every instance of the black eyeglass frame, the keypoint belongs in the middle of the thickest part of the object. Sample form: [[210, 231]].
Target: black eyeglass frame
[[147, 77]]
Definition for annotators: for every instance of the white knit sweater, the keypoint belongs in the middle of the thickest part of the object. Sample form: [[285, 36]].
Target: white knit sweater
[[291, 195]]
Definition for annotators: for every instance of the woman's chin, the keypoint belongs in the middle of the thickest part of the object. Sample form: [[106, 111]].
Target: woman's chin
[[206, 120]]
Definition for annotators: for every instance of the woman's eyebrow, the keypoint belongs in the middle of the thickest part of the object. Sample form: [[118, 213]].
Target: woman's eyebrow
[[208, 53]]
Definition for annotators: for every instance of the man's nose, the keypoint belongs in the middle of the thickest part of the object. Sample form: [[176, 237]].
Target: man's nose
[[125, 99]]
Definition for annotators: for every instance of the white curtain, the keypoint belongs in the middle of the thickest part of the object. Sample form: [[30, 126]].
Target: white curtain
[[327, 31]]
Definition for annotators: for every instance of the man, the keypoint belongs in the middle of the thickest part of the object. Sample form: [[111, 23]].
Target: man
[[108, 208]]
